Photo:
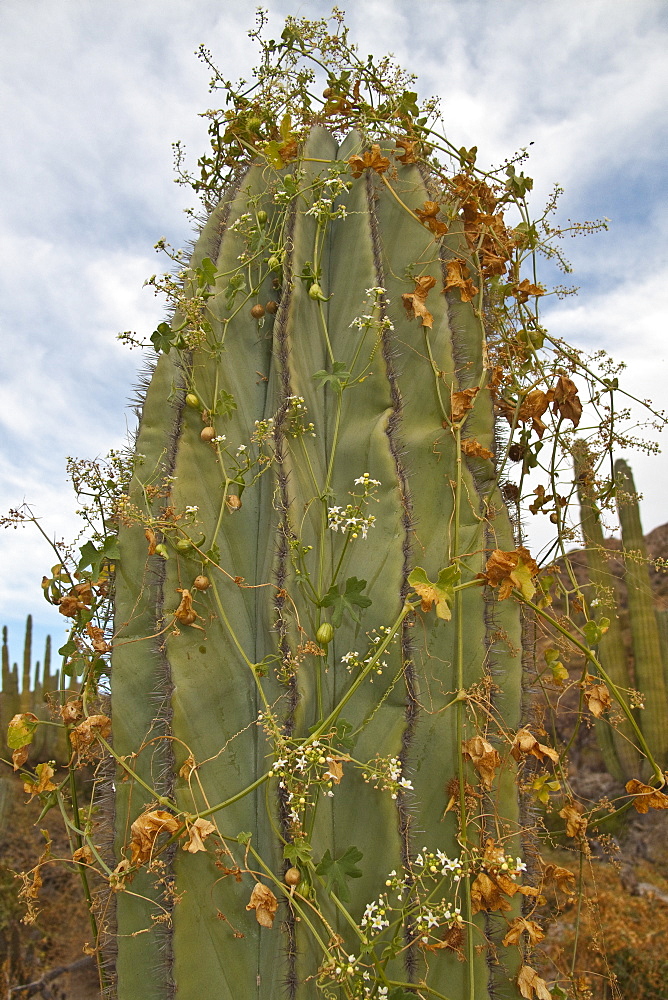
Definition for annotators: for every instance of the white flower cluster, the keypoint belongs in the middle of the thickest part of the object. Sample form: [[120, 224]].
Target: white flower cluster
[[350, 519], [439, 863], [368, 320], [241, 225], [375, 915], [296, 417], [367, 483], [323, 211], [385, 774], [264, 430], [299, 768]]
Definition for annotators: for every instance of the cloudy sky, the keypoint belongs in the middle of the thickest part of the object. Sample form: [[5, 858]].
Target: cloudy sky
[[92, 96]]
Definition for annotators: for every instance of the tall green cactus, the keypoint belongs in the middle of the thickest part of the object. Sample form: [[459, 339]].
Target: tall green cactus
[[272, 668], [648, 664]]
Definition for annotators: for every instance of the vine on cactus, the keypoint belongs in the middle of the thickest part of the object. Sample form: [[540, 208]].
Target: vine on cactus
[[317, 643]]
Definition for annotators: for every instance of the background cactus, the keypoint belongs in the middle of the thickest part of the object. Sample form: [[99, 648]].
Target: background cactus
[[27, 691], [649, 670], [335, 467], [621, 757]]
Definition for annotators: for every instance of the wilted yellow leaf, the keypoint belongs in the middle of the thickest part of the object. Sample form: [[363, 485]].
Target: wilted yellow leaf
[[508, 570], [43, 783]]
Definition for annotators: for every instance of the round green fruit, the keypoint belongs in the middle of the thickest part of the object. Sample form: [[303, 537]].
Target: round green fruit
[[325, 634]]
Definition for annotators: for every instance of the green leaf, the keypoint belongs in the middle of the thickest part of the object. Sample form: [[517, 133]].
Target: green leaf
[[594, 631], [90, 556], [206, 273], [68, 649], [271, 151], [337, 871], [286, 126], [399, 993], [21, 731], [440, 593], [163, 338], [294, 853], [350, 599], [225, 404], [213, 554], [337, 378]]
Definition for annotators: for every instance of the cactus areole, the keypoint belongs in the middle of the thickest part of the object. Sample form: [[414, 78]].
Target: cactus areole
[[316, 798]]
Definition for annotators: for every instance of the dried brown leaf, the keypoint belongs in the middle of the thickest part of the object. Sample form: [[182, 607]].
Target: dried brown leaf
[[414, 302], [146, 828], [519, 926], [646, 797], [197, 834], [484, 758], [264, 903], [472, 447], [525, 743], [576, 823], [530, 984], [461, 402], [458, 276], [83, 735], [370, 160]]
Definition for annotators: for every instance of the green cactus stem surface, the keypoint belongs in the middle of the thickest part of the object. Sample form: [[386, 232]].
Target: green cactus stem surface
[[333, 469]]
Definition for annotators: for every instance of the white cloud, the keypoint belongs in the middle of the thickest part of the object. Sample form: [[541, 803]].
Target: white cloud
[[93, 95]]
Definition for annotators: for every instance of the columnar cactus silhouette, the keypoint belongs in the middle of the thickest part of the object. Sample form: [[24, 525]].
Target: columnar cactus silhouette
[[648, 673], [315, 489], [36, 681], [617, 745], [648, 664]]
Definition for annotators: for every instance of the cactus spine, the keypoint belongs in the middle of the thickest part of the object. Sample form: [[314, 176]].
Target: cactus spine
[[315, 498], [648, 664]]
